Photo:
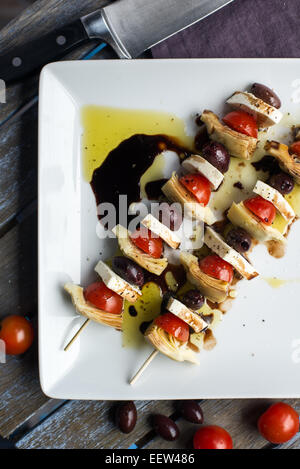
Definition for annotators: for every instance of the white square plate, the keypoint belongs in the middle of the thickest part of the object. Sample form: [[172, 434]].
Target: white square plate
[[258, 350]]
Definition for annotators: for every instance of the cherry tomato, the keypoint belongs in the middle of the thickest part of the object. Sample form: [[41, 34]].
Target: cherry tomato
[[147, 242], [198, 185], [242, 122], [262, 208], [212, 437], [217, 268], [17, 333], [103, 298], [295, 148], [279, 423], [174, 326]]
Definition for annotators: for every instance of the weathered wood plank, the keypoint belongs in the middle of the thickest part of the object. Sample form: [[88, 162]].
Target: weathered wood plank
[[238, 417], [20, 394], [90, 425], [18, 163], [18, 268]]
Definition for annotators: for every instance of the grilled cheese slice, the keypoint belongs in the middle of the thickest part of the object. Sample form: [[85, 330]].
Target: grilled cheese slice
[[162, 231], [201, 165], [276, 198], [114, 282], [215, 242], [239, 145], [187, 315], [265, 114]]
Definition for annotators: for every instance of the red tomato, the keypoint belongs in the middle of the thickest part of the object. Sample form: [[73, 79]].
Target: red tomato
[[147, 242], [279, 423], [262, 208], [242, 122], [212, 437], [17, 333], [215, 267], [198, 185], [295, 148], [174, 326], [103, 298]]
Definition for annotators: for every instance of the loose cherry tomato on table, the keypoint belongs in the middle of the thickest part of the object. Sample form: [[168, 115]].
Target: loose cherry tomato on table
[[147, 242], [174, 326], [242, 122], [212, 437], [262, 208], [17, 333], [197, 185], [103, 298], [217, 268], [279, 423], [295, 148]]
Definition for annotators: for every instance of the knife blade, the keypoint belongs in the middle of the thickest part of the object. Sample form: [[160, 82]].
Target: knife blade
[[130, 27]]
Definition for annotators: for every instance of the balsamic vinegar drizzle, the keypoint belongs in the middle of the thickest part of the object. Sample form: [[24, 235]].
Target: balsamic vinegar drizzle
[[123, 168]]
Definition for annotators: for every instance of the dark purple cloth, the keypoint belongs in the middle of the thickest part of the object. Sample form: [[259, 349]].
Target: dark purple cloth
[[244, 28]]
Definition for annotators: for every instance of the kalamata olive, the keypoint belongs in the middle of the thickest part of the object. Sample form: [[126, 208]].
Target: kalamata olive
[[193, 299], [169, 216], [266, 94], [239, 239], [128, 270], [165, 427], [216, 154], [126, 416], [282, 182], [191, 411]]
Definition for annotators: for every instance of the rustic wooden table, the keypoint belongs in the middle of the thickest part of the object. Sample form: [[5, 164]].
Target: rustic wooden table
[[27, 417]]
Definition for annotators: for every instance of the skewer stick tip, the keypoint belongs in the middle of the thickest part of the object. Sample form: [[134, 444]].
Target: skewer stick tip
[[143, 367], [76, 335]]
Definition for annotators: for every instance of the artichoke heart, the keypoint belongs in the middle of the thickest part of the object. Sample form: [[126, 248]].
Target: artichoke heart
[[176, 192], [168, 345], [89, 311], [239, 145], [155, 266], [289, 163], [239, 215], [215, 290]]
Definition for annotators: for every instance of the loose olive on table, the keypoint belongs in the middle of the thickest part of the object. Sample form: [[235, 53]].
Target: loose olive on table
[[266, 94], [193, 299], [165, 427], [191, 411], [128, 270], [217, 155], [282, 182], [239, 239], [126, 416]]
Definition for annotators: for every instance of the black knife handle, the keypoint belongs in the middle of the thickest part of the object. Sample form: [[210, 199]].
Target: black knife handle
[[25, 59]]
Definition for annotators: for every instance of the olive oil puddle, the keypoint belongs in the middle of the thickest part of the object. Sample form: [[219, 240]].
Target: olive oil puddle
[[104, 128], [274, 282]]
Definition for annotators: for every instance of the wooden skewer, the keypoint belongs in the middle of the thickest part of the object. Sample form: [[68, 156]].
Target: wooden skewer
[[143, 367], [77, 334]]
